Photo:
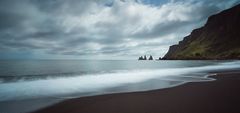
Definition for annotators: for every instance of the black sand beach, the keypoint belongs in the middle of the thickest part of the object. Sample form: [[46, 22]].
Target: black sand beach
[[219, 96]]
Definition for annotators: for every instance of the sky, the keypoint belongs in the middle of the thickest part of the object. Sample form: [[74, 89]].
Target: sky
[[99, 29]]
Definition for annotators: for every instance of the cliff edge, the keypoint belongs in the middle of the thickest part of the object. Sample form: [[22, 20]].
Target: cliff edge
[[219, 38]]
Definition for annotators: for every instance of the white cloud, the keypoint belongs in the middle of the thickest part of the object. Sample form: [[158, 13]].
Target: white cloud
[[76, 27]]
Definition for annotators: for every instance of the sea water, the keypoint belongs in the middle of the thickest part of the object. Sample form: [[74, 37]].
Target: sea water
[[27, 85]]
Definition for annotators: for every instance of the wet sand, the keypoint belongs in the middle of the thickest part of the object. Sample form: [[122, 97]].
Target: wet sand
[[219, 96]]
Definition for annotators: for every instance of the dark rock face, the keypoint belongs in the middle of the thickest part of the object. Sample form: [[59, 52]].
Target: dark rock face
[[140, 58], [159, 58], [150, 58], [219, 38], [145, 57]]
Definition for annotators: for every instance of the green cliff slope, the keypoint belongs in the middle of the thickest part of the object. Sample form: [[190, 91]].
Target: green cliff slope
[[219, 38]]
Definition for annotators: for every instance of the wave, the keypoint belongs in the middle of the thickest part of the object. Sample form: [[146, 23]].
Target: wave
[[32, 77], [110, 82]]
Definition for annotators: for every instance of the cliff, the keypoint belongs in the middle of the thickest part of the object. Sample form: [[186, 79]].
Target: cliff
[[219, 38]]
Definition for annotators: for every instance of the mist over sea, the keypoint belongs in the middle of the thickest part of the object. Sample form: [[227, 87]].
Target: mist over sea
[[39, 83]]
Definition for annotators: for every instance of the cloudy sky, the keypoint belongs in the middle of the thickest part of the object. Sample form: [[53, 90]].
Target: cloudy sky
[[98, 29]]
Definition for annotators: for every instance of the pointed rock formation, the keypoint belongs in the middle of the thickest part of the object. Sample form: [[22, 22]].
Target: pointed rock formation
[[145, 57], [150, 58], [140, 58]]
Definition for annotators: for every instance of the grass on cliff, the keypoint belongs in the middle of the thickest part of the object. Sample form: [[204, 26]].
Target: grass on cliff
[[195, 49]]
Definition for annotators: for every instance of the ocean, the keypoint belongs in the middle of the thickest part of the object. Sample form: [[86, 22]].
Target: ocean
[[27, 85]]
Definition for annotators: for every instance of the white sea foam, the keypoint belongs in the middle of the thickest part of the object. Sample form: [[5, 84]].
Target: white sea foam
[[97, 83]]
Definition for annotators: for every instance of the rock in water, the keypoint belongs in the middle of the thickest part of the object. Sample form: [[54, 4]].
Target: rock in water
[[140, 58], [150, 58], [145, 57]]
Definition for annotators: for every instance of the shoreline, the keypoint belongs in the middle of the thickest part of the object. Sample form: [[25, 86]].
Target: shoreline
[[220, 95]]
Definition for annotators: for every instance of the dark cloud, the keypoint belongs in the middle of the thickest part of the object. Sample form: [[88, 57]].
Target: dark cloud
[[99, 27], [162, 29], [200, 13], [9, 15]]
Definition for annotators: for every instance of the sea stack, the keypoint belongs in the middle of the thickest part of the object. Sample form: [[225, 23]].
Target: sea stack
[[140, 58], [145, 57], [150, 58]]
